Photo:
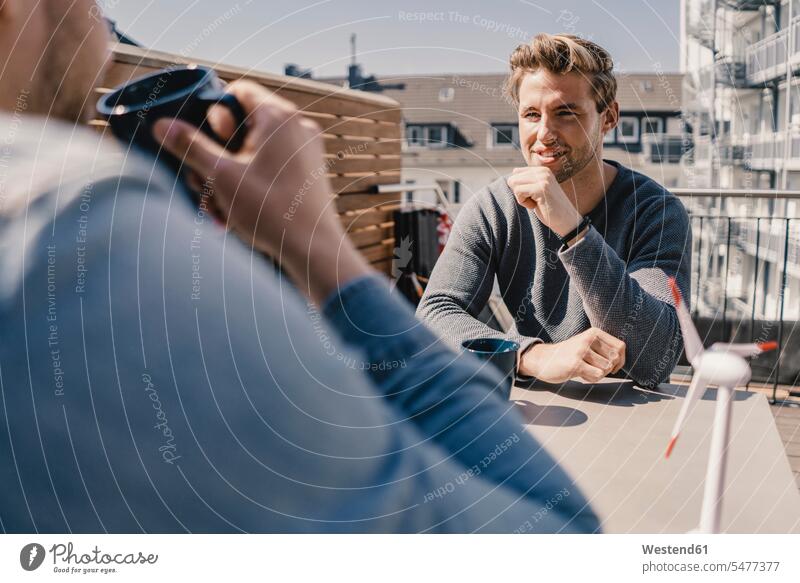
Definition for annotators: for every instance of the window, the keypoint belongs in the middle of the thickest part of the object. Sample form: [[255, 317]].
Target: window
[[610, 136], [705, 124], [407, 196], [505, 135], [451, 190], [653, 125], [436, 136], [446, 93], [646, 86], [421, 135], [414, 136], [628, 130]]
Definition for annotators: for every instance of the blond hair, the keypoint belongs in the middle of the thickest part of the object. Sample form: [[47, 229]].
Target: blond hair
[[565, 53]]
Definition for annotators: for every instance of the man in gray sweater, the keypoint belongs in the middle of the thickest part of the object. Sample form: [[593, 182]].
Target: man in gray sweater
[[581, 247]]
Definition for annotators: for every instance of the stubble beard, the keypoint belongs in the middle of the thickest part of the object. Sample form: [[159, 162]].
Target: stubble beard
[[577, 160]]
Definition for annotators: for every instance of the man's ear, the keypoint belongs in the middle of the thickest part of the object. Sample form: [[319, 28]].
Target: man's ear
[[610, 117]]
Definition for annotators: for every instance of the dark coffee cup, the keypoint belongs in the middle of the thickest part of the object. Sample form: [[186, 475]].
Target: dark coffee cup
[[185, 93], [501, 353]]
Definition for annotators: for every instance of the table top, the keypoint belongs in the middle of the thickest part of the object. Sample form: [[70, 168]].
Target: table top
[[611, 438]]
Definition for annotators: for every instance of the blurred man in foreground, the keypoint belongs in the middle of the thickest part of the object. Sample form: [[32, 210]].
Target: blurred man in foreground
[[133, 401]]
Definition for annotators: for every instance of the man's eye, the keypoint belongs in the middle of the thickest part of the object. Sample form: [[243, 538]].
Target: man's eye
[[531, 114], [566, 113]]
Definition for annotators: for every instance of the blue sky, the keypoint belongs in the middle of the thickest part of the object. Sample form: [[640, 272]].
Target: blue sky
[[436, 36]]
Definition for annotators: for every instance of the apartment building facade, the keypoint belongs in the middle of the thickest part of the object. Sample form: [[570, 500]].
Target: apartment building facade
[[741, 65]]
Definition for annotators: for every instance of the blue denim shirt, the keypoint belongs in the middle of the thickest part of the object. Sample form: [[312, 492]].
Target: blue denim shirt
[[157, 375]]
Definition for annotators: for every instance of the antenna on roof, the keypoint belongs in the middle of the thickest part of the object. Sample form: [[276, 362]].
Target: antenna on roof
[[357, 80]]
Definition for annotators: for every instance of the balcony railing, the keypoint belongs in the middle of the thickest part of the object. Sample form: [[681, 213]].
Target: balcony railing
[[766, 59], [664, 148], [747, 5], [731, 153], [728, 71], [746, 273], [725, 151], [732, 71], [768, 151]]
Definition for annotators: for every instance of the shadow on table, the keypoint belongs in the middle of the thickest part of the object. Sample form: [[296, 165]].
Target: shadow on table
[[620, 393], [614, 392], [710, 394], [550, 415]]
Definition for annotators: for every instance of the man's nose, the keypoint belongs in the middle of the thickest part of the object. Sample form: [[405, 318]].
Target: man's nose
[[545, 133]]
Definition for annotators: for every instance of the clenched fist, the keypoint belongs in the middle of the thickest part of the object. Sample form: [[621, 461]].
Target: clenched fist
[[536, 188], [591, 355]]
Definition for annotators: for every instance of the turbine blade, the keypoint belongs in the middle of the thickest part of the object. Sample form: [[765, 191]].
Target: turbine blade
[[745, 350], [691, 339], [696, 390]]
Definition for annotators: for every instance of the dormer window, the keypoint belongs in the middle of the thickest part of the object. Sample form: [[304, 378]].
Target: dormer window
[[436, 136], [415, 136], [430, 135], [505, 135]]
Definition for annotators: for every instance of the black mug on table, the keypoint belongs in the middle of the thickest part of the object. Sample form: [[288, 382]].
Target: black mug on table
[[186, 93], [501, 353]]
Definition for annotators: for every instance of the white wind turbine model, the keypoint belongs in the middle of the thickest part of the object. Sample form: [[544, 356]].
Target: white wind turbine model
[[723, 365]]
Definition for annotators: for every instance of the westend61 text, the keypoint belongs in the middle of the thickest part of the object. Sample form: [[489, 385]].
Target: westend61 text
[[673, 550]]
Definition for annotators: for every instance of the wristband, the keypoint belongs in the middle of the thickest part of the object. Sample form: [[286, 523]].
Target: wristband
[[585, 222]]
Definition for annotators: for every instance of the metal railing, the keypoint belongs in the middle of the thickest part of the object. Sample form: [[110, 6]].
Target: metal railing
[[742, 5], [767, 58], [664, 148], [726, 70], [746, 274], [724, 151], [766, 150]]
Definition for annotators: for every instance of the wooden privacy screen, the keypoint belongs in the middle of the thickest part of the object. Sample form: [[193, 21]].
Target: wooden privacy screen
[[362, 136]]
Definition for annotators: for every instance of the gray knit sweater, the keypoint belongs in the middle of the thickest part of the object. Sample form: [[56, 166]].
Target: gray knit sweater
[[615, 278]]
